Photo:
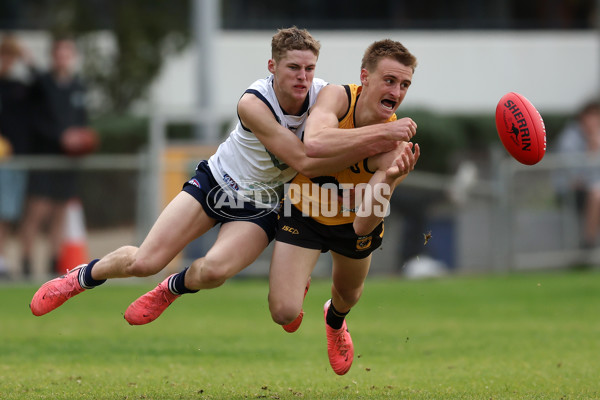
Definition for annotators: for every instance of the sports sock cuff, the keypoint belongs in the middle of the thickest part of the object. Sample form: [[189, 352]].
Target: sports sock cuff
[[334, 318], [336, 312], [85, 276], [177, 283]]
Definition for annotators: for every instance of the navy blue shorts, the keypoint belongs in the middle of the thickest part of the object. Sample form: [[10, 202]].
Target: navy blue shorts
[[219, 205], [305, 232]]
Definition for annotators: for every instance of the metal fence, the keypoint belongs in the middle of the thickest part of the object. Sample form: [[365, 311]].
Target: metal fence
[[511, 220]]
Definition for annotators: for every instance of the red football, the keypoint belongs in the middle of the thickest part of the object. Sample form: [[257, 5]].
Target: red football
[[521, 128]]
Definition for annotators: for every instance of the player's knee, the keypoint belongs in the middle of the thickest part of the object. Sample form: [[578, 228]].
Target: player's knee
[[213, 273], [281, 313], [351, 297], [141, 269], [142, 266]]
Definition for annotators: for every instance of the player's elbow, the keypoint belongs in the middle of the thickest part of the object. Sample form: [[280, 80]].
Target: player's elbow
[[308, 168], [313, 148]]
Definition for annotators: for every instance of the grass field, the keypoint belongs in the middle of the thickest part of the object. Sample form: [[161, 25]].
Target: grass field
[[517, 336]]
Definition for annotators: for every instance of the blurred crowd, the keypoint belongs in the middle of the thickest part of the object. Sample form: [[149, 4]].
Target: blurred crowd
[[580, 139], [42, 113]]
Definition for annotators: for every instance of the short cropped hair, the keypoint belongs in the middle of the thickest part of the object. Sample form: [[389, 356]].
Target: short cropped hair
[[387, 48], [293, 39]]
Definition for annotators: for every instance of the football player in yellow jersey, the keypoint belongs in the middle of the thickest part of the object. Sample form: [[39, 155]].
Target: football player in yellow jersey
[[343, 213]]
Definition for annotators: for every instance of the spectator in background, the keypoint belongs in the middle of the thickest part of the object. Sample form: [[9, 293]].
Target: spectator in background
[[581, 137], [14, 137], [59, 109]]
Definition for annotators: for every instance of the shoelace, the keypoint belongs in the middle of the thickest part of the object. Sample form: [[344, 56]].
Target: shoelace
[[341, 344], [69, 293], [165, 294]]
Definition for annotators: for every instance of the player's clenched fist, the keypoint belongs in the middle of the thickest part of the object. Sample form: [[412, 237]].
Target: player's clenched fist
[[403, 129]]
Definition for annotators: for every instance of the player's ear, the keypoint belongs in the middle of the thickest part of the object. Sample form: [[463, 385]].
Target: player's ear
[[271, 66], [364, 76]]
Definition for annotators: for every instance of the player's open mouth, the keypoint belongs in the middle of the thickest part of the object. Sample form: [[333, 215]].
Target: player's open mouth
[[388, 104]]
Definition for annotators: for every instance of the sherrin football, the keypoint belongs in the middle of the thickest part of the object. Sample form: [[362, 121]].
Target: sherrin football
[[521, 128]]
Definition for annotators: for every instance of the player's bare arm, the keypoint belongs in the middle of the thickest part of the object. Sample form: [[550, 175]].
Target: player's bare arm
[[322, 135], [286, 146], [392, 168]]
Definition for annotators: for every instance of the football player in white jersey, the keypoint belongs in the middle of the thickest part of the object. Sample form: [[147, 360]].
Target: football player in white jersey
[[238, 187]]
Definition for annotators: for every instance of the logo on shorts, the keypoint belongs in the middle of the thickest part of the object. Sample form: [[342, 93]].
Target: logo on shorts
[[291, 230], [363, 242], [248, 200], [194, 182], [231, 182]]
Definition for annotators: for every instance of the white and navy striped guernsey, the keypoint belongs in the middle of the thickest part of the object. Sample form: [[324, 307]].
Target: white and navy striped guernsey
[[245, 166]]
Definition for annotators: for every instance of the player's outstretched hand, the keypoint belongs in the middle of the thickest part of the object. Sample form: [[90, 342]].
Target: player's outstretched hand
[[404, 162]]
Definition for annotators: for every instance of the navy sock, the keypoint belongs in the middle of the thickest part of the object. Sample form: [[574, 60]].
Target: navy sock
[[85, 276], [334, 318], [177, 283]]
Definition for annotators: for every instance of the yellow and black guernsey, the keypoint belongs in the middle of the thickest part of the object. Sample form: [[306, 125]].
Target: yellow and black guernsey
[[329, 200]]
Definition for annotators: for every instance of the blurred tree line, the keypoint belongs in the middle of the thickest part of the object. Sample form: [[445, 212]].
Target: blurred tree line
[[123, 45], [145, 35]]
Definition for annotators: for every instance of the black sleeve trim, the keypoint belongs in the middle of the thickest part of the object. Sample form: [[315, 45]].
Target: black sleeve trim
[[349, 94], [264, 100]]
